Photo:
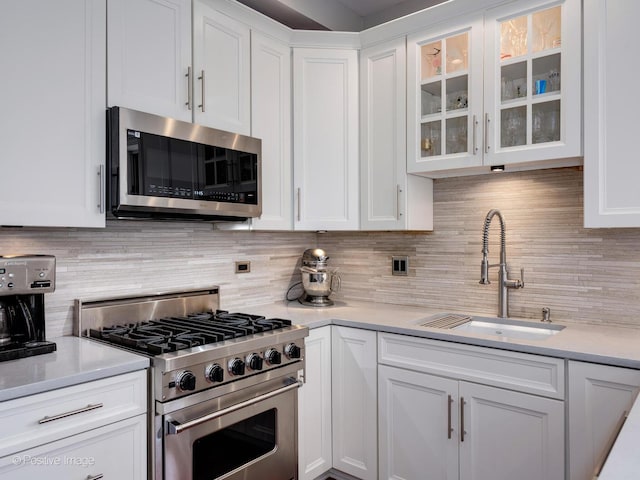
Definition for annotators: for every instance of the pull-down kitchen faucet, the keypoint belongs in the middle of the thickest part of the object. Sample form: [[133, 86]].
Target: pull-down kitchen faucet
[[503, 276]]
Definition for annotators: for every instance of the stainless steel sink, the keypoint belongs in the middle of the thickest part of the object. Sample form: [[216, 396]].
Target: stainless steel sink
[[493, 326]]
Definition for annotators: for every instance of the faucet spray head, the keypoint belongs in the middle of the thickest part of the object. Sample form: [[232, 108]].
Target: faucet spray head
[[484, 271]]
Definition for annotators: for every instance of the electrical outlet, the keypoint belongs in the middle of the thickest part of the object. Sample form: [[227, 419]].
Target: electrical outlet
[[243, 267], [400, 265]]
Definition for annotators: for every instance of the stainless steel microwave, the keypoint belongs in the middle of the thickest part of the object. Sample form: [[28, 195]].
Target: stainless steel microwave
[[162, 168]]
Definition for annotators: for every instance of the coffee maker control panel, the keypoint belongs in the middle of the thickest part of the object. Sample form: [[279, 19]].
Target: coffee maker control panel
[[26, 274]]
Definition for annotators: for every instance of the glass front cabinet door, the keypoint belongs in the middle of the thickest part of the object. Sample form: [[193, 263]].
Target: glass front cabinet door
[[532, 88], [445, 98], [500, 89]]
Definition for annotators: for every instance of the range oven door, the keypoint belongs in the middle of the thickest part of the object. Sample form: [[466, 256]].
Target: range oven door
[[240, 436]]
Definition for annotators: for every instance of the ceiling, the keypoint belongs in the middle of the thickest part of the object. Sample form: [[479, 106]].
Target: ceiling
[[339, 15]]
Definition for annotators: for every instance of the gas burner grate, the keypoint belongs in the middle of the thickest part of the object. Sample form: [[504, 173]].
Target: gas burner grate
[[170, 334]]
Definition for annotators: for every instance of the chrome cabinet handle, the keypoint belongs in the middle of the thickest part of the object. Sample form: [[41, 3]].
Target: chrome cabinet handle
[[475, 133], [101, 181], [201, 77], [462, 432], [398, 193], [53, 418], [189, 89], [175, 427], [449, 429], [298, 202], [486, 133], [95, 477]]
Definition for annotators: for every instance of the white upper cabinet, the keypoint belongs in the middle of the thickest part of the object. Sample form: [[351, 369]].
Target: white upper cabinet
[[52, 127], [160, 62], [503, 88], [445, 104], [533, 98], [325, 139], [611, 171], [271, 122], [390, 198], [149, 56], [221, 70]]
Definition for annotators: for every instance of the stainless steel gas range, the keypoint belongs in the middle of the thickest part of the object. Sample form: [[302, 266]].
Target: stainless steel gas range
[[223, 386]]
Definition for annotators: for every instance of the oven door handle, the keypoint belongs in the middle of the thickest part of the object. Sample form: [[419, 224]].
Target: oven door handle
[[174, 427]]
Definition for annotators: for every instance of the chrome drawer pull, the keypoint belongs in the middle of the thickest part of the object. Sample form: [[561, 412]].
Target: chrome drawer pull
[[88, 408], [95, 477], [174, 427]]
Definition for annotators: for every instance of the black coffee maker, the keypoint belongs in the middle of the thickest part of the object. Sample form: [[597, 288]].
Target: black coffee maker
[[24, 280]]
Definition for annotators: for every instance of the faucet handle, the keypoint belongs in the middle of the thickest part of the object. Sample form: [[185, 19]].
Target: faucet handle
[[521, 278]]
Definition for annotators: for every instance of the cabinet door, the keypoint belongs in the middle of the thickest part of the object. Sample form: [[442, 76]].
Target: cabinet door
[[390, 199], [149, 56], [52, 127], [221, 62], [611, 194], [533, 102], [444, 102], [598, 397], [325, 139], [271, 122], [507, 435], [418, 425], [354, 402], [314, 406], [118, 450]]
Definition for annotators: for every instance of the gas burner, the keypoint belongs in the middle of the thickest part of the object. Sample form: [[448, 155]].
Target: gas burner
[[170, 334]]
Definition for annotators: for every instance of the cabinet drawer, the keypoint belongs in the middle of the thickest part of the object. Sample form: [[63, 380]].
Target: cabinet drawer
[[516, 371], [117, 451], [38, 419]]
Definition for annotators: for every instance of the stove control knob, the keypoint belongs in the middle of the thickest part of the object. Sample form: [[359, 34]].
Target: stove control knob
[[214, 373], [254, 361], [292, 351], [236, 367], [186, 381], [273, 357]]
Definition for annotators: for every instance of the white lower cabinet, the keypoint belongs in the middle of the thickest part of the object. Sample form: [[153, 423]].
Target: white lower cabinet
[[599, 396], [314, 407], [354, 405], [444, 427], [337, 405], [115, 451], [416, 439], [82, 431]]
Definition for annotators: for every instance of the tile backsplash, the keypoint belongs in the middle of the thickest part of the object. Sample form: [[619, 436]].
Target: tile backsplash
[[585, 275], [582, 275]]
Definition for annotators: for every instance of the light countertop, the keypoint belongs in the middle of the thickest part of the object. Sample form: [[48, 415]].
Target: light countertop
[[76, 360], [609, 345]]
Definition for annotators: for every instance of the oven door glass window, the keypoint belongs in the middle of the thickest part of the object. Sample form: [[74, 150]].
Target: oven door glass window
[[234, 446]]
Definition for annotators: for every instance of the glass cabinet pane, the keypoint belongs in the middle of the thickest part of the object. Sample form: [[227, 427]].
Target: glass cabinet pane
[[513, 82], [513, 38], [430, 60], [430, 144], [457, 53], [546, 74], [457, 93], [546, 122], [513, 127], [431, 98], [546, 26], [456, 135]]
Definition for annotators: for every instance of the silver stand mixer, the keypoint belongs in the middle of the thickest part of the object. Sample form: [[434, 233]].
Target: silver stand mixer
[[318, 280]]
